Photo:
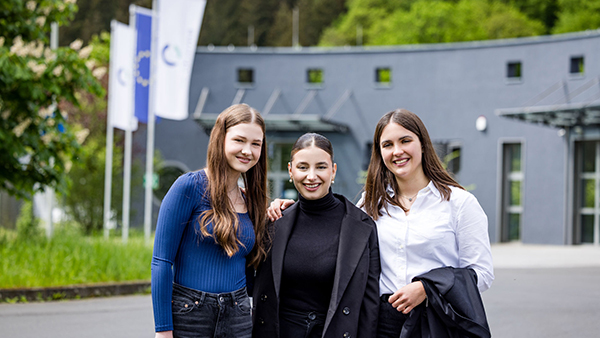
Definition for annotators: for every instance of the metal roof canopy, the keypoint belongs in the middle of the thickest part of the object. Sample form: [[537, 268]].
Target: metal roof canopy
[[287, 122], [560, 115]]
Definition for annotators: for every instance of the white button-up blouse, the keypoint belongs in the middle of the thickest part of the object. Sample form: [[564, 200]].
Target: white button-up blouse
[[436, 233]]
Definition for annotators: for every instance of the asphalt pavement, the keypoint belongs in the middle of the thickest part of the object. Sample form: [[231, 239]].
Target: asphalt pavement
[[539, 291]]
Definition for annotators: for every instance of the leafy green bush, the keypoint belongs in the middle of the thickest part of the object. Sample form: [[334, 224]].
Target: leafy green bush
[[37, 143]]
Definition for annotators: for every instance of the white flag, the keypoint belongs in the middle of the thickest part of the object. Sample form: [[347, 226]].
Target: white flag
[[120, 83], [179, 24]]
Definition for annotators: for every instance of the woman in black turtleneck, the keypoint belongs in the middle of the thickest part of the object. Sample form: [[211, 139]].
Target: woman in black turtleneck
[[321, 275]]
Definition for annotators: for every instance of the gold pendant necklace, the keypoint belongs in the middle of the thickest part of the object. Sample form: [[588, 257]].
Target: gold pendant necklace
[[409, 198]]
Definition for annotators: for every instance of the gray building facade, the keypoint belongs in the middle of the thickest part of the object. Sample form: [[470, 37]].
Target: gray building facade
[[515, 120]]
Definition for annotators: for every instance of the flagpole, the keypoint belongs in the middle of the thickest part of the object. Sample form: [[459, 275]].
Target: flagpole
[[126, 184], [109, 151], [127, 154], [108, 173], [150, 133]]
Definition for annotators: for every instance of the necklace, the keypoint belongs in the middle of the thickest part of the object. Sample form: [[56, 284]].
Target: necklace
[[238, 196], [409, 198]]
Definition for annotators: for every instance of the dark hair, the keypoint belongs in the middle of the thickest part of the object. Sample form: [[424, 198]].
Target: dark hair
[[222, 215], [312, 139], [379, 177]]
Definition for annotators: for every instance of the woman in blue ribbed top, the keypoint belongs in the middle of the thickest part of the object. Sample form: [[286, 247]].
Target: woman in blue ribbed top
[[208, 232]]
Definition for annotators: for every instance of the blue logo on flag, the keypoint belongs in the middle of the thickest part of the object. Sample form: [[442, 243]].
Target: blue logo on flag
[[171, 58]]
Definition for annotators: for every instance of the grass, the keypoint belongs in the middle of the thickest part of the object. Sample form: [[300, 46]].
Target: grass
[[70, 258]]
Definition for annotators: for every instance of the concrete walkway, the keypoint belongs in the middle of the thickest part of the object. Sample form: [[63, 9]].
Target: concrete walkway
[[544, 291], [517, 255], [539, 291]]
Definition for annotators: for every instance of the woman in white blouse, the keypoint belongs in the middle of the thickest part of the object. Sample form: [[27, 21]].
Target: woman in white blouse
[[425, 219]]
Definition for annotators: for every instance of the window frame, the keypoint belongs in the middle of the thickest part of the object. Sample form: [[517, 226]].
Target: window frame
[[581, 64], [380, 84], [519, 66], [314, 85], [244, 84]]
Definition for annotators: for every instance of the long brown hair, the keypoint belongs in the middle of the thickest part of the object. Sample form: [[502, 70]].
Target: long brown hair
[[222, 214], [379, 177]]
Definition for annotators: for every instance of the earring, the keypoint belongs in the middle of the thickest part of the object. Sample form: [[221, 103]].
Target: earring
[[291, 181], [332, 181]]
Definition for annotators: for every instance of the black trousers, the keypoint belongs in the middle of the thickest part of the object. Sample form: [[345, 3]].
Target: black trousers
[[300, 324], [390, 320]]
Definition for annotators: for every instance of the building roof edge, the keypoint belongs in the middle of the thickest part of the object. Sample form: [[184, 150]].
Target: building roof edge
[[530, 40]]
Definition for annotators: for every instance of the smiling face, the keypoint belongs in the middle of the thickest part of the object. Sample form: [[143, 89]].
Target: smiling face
[[401, 152], [312, 171], [243, 146]]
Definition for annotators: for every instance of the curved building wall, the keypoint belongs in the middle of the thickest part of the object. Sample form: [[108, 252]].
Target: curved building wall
[[448, 85]]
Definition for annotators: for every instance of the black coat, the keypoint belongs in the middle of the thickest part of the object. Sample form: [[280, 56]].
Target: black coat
[[354, 303], [453, 307]]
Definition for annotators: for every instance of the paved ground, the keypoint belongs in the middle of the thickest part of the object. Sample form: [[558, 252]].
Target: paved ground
[[549, 303], [113, 317], [539, 291], [544, 256], [544, 291]]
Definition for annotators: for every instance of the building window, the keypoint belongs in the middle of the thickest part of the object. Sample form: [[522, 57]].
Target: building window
[[314, 76], [577, 65], [279, 184], [452, 161], [245, 76], [449, 155], [512, 185], [513, 70], [587, 222], [383, 76]]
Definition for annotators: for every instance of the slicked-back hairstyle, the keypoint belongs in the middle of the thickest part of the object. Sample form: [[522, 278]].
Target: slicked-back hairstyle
[[222, 215], [379, 177], [312, 139]]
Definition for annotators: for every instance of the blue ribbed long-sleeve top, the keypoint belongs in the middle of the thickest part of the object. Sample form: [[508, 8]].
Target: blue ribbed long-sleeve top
[[182, 256]]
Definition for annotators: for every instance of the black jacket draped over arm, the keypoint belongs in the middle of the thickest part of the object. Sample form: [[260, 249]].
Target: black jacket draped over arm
[[453, 307]]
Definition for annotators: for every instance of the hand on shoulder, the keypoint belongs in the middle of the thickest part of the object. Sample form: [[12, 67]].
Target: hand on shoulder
[[276, 207]]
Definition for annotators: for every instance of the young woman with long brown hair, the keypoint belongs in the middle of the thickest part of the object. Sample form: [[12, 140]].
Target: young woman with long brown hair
[[426, 221], [209, 231]]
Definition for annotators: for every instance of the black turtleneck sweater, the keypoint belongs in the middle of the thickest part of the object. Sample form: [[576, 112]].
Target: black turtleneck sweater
[[311, 253]]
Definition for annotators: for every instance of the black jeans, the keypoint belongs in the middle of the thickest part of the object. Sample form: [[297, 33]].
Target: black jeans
[[203, 314], [300, 324], [390, 320]]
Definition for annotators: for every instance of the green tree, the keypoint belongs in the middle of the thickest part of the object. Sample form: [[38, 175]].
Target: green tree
[[314, 17], [577, 15], [94, 16], [37, 145], [280, 33], [227, 22], [360, 13], [425, 21], [545, 11], [261, 16], [223, 24]]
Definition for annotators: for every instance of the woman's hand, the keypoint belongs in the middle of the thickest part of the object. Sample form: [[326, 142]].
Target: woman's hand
[[164, 334], [274, 210], [408, 297]]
